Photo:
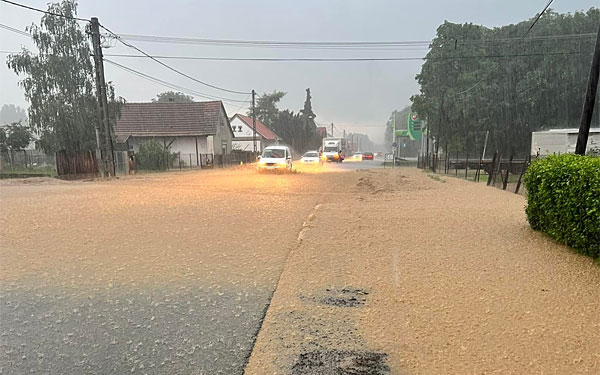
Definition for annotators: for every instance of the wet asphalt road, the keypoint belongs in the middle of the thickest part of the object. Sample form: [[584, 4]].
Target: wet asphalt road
[[159, 274], [159, 330]]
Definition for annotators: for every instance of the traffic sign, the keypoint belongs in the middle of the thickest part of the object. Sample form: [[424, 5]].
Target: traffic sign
[[394, 145]]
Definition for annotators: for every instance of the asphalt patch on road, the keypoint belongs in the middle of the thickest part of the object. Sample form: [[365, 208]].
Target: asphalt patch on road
[[345, 297], [341, 362]]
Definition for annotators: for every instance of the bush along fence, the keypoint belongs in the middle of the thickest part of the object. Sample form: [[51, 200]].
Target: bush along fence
[[500, 171], [563, 200], [166, 161]]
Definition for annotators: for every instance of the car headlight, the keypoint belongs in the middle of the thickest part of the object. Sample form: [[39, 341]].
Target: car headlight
[[282, 163], [261, 162]]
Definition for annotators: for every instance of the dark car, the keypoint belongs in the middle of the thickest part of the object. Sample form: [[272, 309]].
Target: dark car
[[367, 156]]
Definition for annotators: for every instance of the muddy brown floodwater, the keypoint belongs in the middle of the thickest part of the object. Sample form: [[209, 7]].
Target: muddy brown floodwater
[[369, 271]]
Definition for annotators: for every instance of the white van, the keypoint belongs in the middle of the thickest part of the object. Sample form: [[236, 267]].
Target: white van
[[275, 158]]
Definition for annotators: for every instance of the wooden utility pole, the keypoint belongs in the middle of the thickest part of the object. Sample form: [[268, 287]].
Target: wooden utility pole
[[590, 98], [95, 32], [254, 119], [109, 165], [332, 129]]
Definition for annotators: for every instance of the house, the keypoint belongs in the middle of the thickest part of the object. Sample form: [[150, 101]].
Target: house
[[192, 129], [561, 141], [243, 132]]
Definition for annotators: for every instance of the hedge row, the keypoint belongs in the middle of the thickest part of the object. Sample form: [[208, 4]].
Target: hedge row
[[563, 200]]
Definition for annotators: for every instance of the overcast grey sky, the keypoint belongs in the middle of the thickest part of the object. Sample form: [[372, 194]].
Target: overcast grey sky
[[356, 96]]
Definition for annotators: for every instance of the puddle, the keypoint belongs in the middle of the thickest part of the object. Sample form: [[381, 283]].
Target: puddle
[[340, 362], [345, 297]]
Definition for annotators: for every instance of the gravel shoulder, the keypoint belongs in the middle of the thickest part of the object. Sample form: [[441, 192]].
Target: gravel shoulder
[[407, 275]]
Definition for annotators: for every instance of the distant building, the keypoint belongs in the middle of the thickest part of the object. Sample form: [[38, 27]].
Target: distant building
[[192, 129], [243, 133], [561, 141]]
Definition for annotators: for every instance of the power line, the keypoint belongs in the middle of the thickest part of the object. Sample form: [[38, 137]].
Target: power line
[[538, 17], [44, 11], [324, 44], [6, 27], [340, 59], [128, 45], [169, 67], [343, 59], [172, 85]]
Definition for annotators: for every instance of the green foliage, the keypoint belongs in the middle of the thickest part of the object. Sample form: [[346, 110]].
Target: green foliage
[[17, 137], [172, 97], [563, 200], [266, 107], [521, 86], [152, 155], [59, 82], [3, 140], [299, 130]]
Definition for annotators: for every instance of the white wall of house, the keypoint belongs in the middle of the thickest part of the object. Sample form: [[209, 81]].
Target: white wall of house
[[245, 145], [241, 129], [223, 136], [184, 145], [561, 141]]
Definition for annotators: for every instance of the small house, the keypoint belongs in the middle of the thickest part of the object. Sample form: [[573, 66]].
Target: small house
[[191, 129], [243, 132]]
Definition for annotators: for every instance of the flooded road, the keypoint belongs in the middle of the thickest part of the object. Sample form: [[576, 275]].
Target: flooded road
[[156, 274]]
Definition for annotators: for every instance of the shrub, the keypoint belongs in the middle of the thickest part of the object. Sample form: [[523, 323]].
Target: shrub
[[563, 200], [153, 156]]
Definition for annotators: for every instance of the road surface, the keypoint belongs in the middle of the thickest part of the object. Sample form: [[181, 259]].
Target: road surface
[[173, 273]]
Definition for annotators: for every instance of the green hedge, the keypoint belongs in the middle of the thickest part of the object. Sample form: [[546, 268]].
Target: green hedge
[[563, 200]]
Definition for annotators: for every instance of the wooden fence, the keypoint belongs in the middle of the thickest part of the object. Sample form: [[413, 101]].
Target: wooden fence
[[78, 164]]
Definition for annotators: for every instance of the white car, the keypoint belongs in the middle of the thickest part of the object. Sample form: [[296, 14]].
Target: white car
[[357, 156], [275, 158], [311, 157]]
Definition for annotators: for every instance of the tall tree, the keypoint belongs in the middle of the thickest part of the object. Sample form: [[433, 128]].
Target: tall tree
[[172, 97], [59, 82], [266, 107], [517, 85]]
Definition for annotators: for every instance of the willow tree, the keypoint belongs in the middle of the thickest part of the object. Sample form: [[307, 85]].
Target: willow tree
[[59, 81]]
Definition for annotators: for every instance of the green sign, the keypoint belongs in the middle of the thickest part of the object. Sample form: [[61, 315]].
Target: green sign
[[402, 133], [415, 126]]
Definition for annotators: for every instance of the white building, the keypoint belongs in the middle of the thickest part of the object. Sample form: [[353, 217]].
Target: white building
[[192, 129], [561, 141], [243, 132]]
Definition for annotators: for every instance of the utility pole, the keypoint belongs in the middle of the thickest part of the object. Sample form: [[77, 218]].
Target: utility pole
[[254, 119], [344, 133], [109, 165], [394, 138], [590, 98], [332, 129], [100, 156]]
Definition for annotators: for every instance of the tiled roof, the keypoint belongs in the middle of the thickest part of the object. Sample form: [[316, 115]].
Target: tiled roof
[[261, 128], [168, 119]]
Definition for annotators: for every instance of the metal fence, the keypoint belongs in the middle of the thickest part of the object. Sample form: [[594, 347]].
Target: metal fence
[[500, 172], [76, 165], [27, 161], [180, 161]]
